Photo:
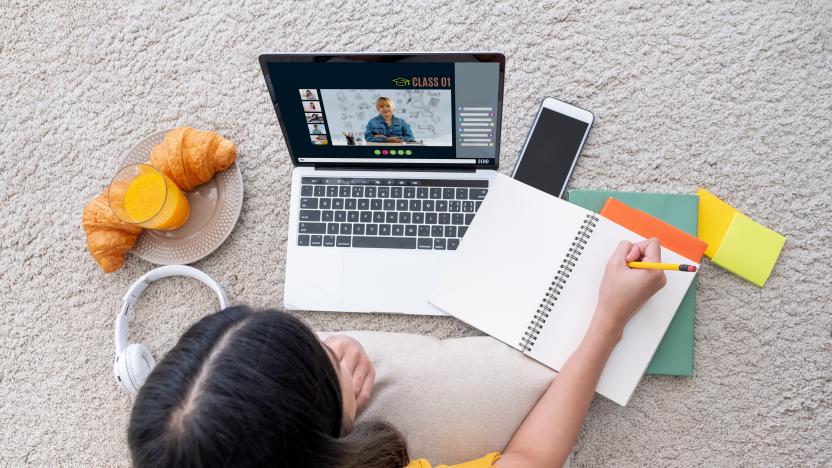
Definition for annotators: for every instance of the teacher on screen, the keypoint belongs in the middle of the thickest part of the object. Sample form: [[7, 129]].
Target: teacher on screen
[[386, 127]]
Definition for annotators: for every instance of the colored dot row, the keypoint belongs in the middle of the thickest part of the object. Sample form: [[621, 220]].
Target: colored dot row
[[392, 152]]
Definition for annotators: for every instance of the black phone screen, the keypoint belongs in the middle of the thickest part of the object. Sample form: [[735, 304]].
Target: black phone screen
[[552, 147]]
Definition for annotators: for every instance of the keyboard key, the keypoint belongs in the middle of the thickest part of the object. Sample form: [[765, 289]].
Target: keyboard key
[[320, 191], [378, 216], [363, 204], [428, 205], [425, 244], [478, 194], [316, 241], [366, 216], [477, 206], [457, 218], [311, 228], [430, 218], [384, 229], [389, 205], [436, 231], [396, 192], [444, 218], [378, 205], [468, 219], [435, 193], [384, 192], [453, 244], [358, 229], [306, 190], [409, 192], [460, 231], [372, 229], [337, 203], [439, 244], [346, 228], [309, 203], [310, 215], [327, 215], [450, 231], [441, 205], [303, 240], [332, 228], [462, 194], [340, 216], [329, 241], [344, 191], [415, 205], [455, 206], [391, 217], [350, 204], [424, 231], [401, 205], [448, 193], [410, 230], [332, 191], [343, 241], [422, 192], [357, 191], [404, 217], [398, 230], [325, 203], [418, 218], [384, 242], [352, 216], [370, 192]]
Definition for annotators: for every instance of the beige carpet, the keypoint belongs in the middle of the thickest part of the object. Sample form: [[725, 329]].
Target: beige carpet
[[735, 96]]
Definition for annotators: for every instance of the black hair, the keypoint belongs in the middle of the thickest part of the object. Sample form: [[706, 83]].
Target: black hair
[[251, 388]]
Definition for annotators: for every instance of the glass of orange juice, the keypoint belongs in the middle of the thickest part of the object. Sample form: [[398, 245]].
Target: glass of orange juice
[[141, 194]]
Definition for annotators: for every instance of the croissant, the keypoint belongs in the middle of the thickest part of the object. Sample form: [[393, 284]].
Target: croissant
[[191, 157], [108, 238]]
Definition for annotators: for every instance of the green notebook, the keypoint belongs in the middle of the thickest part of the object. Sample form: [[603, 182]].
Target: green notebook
[[674, 356]]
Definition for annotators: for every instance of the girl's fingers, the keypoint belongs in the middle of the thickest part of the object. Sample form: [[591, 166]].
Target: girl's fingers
[[366, 388], [634, 254]]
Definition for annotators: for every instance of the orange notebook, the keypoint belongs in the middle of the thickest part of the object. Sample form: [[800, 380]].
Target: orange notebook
[[648, 226]]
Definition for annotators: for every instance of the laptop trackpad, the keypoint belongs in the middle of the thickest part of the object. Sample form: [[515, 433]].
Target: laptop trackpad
[[391, 281]]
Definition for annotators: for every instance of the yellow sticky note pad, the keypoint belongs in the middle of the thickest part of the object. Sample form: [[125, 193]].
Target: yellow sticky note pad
[[749, 249], [714, 218]]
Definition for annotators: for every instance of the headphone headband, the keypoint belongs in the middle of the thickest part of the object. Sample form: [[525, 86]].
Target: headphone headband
[[137, 288]]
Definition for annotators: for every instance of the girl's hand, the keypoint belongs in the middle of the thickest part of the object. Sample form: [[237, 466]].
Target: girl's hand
[[352, 354], [624, 290]]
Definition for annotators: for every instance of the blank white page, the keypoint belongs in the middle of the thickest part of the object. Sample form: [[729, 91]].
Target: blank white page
[[507, 258], [573, 311]]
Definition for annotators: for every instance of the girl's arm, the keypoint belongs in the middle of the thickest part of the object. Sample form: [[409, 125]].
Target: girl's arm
[[547, 435]]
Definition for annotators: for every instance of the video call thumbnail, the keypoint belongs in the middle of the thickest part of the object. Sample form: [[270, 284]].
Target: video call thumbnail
[[315, 117], [316, 129], [308, 94], [385, 116], [319, 139], [311, 106]]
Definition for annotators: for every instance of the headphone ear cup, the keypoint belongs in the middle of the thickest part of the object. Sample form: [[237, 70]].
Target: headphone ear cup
[[132, 367]]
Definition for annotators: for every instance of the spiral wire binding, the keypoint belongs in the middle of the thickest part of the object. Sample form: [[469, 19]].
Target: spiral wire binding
[[558, 282]]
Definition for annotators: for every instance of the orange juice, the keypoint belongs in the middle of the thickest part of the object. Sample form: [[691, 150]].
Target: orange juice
[[153, 201]]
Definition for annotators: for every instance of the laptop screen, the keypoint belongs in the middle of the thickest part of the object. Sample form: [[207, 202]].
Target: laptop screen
[[388, 108]]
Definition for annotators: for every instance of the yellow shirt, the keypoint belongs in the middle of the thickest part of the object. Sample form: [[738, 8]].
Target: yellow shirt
[[484, 462]]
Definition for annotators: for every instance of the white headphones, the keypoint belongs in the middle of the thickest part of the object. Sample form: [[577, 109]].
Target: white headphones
[[133, 361]]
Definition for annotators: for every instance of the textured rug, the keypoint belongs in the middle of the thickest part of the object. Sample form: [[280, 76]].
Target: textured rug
[[734, 96]]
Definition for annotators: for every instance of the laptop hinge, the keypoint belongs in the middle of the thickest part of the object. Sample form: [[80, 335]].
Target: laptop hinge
[[401, 168]]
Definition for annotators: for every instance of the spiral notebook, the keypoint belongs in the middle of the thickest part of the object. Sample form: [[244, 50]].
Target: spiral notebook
[[528, 270]]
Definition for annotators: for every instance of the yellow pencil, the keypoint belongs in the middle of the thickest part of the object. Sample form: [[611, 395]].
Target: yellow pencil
[[661, 266]]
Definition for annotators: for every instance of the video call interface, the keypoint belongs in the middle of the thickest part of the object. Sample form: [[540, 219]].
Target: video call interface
[[362, 112]]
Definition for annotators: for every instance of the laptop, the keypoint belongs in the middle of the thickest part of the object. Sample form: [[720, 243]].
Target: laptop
[[393, 155]]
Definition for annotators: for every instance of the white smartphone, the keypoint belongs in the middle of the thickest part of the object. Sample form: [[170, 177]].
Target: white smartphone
[[552, 146]]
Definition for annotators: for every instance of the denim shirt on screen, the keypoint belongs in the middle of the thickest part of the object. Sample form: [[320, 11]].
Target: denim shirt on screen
[[398, 128]]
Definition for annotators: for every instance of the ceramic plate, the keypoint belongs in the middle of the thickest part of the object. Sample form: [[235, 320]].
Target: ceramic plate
[[215, 208]]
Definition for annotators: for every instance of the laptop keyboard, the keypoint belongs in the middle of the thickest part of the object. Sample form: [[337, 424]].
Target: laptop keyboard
[[425, 214]]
